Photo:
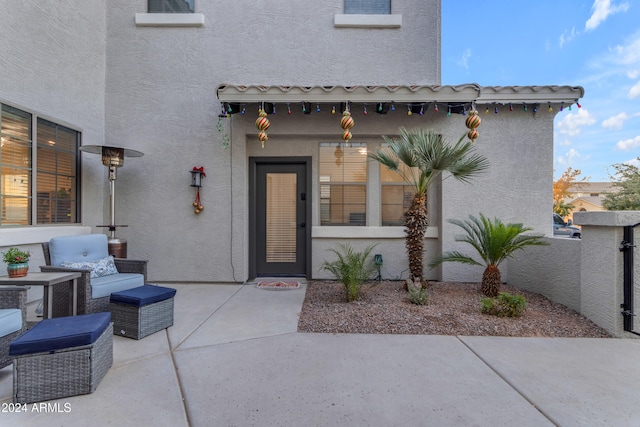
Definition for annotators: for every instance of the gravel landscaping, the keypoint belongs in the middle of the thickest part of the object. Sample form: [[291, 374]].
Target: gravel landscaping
[[453, 309]]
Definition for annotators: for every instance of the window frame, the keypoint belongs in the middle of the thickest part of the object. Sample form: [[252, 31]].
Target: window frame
[[32, 219], [165, 2], [364, 7], [325, 185], [406, 202]]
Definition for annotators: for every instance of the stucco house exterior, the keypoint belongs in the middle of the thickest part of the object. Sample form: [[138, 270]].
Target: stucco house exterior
[[185, 89]]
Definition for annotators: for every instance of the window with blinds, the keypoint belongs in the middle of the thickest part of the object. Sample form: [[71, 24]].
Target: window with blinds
[[170, 6], [15, 166], [57, 177], [55, 163], [396, 195], [281, 217], [367, 7], [343, 177]]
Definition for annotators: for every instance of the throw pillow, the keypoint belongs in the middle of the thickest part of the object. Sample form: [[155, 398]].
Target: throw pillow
[[99, 268]]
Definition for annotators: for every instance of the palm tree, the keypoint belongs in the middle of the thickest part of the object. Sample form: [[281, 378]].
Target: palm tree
[[426, 156], [494, 241]]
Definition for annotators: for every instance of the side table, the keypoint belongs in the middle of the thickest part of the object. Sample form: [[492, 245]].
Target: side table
[[47, 280]]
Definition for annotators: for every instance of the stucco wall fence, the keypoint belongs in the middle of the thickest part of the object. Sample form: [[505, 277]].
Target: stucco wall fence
[[585, 275]]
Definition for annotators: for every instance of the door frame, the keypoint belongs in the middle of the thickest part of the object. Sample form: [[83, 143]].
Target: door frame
[[253, 166]]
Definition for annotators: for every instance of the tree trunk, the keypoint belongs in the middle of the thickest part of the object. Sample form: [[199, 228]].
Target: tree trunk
[[491, 280], [415, 223]]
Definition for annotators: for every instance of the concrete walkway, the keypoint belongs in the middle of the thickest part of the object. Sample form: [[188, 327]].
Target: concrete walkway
[[234, 358]]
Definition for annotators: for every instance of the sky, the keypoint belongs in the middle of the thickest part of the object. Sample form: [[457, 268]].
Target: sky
[[590, 43]]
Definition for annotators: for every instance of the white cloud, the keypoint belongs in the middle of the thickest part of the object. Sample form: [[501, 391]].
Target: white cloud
[[568, 158], [615, 122], [464, 59], [567, 36], [601, 11], [628, 144], [634, 92], [634, 162], [572, 124]]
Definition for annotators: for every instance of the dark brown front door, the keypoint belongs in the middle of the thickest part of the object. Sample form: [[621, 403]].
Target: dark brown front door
[[281, 229]]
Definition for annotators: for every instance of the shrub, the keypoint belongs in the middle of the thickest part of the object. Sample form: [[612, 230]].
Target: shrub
[[352, 269], [417, 293], [505, 305]]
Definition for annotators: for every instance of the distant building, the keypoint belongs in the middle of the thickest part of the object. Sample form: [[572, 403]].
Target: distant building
[[589, 196]]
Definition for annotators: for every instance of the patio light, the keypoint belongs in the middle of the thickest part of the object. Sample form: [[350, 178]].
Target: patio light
[[113, 158]]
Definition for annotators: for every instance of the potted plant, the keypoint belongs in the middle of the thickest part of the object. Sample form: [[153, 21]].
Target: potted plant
[[17, 262]]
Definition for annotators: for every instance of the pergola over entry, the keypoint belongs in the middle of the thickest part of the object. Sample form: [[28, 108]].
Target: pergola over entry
[[461, 97]]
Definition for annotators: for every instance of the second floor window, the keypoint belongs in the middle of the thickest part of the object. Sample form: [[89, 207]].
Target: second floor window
[[170, 6], [367, 7], [343, 179]]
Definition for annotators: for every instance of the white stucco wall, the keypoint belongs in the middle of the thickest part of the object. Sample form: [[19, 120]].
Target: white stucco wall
[[52, 63], [161, 100], [153, 89], [553, 271], [516, 188]]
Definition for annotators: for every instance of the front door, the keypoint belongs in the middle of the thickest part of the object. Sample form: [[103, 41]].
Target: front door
[[281, 206]]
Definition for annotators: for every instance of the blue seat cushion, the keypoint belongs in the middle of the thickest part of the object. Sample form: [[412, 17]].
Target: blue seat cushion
[[58, 333], [106, 285], [10, 321], [144, 295], [88, 247]]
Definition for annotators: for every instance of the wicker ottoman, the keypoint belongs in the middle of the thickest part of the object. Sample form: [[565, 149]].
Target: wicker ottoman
[[142, 311], [61, 357]]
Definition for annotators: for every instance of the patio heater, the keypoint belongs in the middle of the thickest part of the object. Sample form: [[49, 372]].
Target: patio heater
[[113, 158]]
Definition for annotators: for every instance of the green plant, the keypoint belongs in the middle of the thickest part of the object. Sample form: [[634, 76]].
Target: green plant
[[494, 241], [417, 293], [352, 269], [15, 256], [505, 305], [421, 157]]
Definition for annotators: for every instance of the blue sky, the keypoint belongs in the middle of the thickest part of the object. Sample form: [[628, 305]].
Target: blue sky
[[592, 43]]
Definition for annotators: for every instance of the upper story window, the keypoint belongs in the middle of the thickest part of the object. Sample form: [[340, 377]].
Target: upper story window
[[343, 179], [367, 7], [55, 162], [170, 6], [367, 14]]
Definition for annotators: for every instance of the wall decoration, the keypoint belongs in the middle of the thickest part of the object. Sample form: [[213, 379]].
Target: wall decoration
[[262, 123], [473, 122], [346, 123], [196, 181]]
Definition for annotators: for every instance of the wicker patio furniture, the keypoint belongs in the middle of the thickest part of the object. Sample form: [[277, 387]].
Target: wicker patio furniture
[[140, 312], [93, 292], [61, 357], [13, 303]]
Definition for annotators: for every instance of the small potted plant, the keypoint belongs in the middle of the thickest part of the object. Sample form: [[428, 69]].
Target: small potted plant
[[17, 262]]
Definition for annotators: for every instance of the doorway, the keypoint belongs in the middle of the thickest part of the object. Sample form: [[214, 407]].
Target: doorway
[[279, 216]]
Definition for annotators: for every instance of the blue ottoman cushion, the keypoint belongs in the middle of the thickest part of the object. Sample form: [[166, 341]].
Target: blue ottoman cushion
[[60, 333], [143, 295]]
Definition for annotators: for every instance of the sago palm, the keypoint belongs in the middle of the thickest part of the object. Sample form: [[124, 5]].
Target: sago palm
[[426, 156], [494, 241]]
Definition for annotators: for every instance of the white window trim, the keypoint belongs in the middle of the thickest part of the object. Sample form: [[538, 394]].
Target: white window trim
[[169, 19], [367, 21], [16, 236], [349, 232]]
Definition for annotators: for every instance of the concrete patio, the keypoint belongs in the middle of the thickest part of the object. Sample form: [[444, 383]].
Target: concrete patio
[[234, 358]]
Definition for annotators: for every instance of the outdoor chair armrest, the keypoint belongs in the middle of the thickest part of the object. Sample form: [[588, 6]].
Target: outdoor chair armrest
[[86, 274], [125, 265]]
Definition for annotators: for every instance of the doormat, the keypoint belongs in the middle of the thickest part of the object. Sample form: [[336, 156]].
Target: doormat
[[278, 284]]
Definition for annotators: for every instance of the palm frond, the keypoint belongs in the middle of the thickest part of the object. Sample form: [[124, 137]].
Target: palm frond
[[453, 256]]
